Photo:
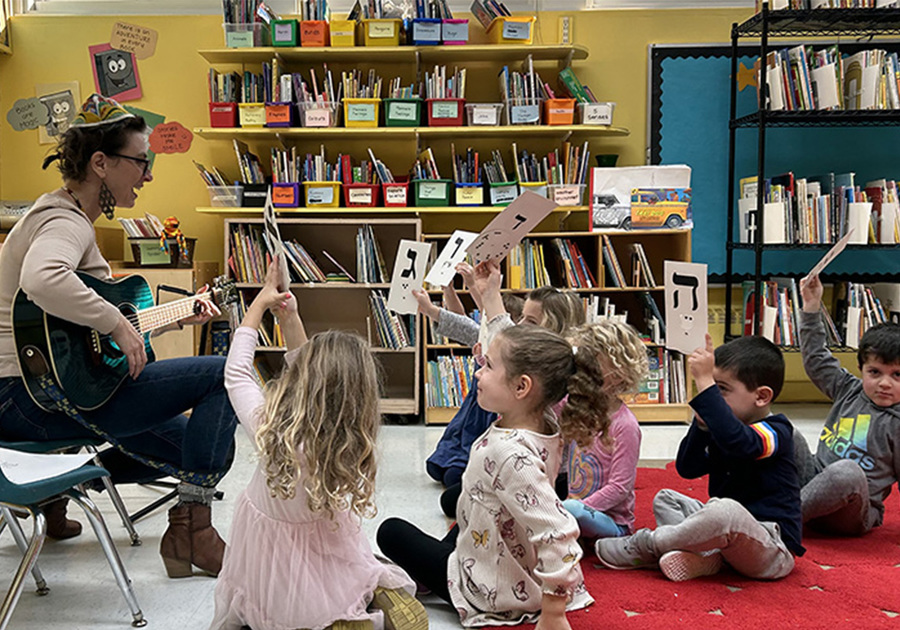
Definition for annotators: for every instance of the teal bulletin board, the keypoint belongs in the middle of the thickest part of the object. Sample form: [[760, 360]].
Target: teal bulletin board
[[688, 117]]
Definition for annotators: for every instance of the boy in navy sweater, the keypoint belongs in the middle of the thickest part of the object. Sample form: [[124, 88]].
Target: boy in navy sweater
[[752, 520]]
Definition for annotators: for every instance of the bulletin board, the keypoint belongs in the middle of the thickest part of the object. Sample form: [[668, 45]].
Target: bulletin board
[[688, 124]]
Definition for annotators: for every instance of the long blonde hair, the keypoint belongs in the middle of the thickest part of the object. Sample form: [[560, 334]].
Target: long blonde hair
[[321, 417], [562, 309]]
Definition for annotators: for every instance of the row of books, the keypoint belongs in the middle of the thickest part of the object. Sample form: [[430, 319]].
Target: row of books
[[527, 268], [391, 330], [666, 381], [802, 78], [447, 380], [821, 209], [370, 265], [149, 227], [270, 335]]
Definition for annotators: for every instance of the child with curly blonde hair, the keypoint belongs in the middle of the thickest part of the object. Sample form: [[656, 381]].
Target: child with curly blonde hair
[[601, 476], [297, 557]]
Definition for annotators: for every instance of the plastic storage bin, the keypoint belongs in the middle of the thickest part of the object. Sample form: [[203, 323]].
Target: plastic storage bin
[[246, 35], [286, 195], [255, 195], [426, 31], [252, 114], [455, 31], [147, 252], [361, 112], [432, 192], [596, 113], [396, 194], [566, 194], [559, 111], [223, 114], [511, 30], [361, 195], [280, 114], [469, 194], [402, 112], [381, 32], [538, 188], [322, 114], [322, 194], [503, 193], [522, 111], [483, 114], [342, 33], [314, 34], [445, 112], [225, 196], [284, 33]]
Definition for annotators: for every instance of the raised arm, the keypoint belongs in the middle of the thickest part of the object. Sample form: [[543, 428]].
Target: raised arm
[[823, 369]]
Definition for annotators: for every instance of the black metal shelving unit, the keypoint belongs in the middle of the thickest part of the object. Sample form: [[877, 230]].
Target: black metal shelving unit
[[792, 23]]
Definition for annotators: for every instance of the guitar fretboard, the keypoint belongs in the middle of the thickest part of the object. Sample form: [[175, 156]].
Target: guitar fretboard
[[150, 319]]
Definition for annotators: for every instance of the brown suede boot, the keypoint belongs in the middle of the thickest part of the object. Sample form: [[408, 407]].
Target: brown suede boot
[[207, 547], [191, 540], [175, 546], [58, 526]]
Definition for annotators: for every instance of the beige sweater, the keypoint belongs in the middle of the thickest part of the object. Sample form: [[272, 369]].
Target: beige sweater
[[40, 255]]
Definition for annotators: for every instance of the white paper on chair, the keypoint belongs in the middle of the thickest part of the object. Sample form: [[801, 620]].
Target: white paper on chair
[[21, 468]]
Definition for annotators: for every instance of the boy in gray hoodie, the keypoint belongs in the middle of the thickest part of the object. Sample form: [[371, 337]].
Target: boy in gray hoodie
[[857, 459]]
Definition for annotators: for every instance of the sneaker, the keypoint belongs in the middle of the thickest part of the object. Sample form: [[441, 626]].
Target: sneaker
[[679, 566], [628, 552], [401, 610]]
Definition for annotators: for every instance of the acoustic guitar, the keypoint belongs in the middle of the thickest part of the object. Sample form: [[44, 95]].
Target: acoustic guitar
[[85, 364]]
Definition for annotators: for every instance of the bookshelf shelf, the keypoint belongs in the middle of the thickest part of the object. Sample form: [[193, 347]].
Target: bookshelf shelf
[[822, 22], [437, 210], [845, 118], [335, 286], [675, 413], [409, 133]]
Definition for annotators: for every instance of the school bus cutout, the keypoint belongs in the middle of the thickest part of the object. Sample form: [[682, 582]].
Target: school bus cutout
[[660, 207]]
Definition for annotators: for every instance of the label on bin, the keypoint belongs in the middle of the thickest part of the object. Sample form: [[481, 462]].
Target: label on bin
[[239, 39], [456, 32], [361, 196], [402, 111], [485, 115], [395, 195], [317, 117], [469, 195], [282, 32], [319, 196], [381, 30], [432, 190], [361, 112], [597, 114], [278, 115], [427, 31], [567, 195], [521, 114], [151, 254], [312, 30], [445, 109], [284, 195], [503, 194], [252, 115], [516, 30]]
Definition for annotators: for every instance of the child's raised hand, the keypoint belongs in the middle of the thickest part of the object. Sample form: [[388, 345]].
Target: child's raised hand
[[487, 277], [269, 296], [811, 291], [701, 362], [467, 272], [426, 306]]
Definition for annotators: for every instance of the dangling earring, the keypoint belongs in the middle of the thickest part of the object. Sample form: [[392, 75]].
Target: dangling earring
[[107, 201]]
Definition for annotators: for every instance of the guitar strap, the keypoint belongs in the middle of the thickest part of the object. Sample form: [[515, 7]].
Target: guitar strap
[[208, 480]]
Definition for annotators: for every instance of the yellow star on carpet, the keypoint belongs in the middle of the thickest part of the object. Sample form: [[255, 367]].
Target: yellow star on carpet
[[746, 77]]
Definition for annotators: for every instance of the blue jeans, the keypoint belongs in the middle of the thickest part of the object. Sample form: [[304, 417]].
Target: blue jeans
[[593, 523], [146, 415]]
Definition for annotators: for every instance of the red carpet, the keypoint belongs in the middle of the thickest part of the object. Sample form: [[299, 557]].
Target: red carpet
[[839, 583]]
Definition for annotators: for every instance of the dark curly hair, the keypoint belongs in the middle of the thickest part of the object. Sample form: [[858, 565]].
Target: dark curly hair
[[78, 144]]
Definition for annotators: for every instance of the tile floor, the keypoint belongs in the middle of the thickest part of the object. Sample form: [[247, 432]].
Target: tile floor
[[84, 594]]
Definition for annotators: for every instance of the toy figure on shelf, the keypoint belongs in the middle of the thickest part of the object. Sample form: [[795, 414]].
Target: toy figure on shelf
[[172, 229]]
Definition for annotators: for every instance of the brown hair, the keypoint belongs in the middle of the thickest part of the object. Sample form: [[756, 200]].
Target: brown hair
[[562, 309], [321, 417], [78, 144], [551, 362], [513, 304]]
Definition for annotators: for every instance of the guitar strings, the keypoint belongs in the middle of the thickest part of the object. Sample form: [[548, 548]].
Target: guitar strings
[[135, 318]]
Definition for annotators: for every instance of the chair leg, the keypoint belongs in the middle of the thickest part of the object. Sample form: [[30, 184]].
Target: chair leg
[[112, 555], [22, 543], [15, 589], [117, 502]]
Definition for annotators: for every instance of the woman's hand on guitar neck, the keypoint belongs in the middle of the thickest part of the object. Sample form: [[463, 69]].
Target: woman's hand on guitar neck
[[207, 310], [131, 343]]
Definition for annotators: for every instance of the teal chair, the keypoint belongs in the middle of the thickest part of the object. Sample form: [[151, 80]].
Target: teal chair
[[28, 498]]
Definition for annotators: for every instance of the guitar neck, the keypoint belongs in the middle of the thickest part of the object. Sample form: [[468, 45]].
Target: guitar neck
[[150, 319]]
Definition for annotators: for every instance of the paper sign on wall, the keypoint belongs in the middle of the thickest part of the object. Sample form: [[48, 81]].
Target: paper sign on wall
[[27, 113], [444, 268], [132, 38], [409, 273], [686, 311], [115, 73], [62, 101], [171, 137], [510, 226]]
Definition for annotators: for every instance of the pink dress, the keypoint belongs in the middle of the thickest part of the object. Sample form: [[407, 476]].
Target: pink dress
[[286, 567]]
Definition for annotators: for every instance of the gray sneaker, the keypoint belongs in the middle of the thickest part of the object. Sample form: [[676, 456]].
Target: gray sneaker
[[637, 551], [679, 566]]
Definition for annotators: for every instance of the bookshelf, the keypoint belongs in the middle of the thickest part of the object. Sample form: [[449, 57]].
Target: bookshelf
[[836, 23], [337, 305]]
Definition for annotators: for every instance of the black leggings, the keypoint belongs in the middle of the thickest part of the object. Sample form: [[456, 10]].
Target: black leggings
[[420, 555]]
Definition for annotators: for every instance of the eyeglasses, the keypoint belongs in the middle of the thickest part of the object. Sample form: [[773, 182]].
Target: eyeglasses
[[139, 160]]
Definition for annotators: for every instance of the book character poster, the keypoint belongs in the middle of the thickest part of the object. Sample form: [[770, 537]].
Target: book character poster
[[115, 73], [62, 101]]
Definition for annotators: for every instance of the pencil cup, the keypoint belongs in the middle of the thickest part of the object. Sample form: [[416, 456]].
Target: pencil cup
[[286, 195], [342, 33], [426, 31], [503, 193], [280, 115], [559, 111], [538, 188], [511, 30], [566, 194], [361, 112], [445, 112], [402, 112], [284, 33], [469, 194], [396, 194], [483, 114], [254, 195], [225, 196], [223, 114], [322, 194], [319, 114], [455, 31], [381, 32], [252, 114], [314, 33], [361, 195], [432, 192], [522, 111], [246, 35], [596, 113]]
